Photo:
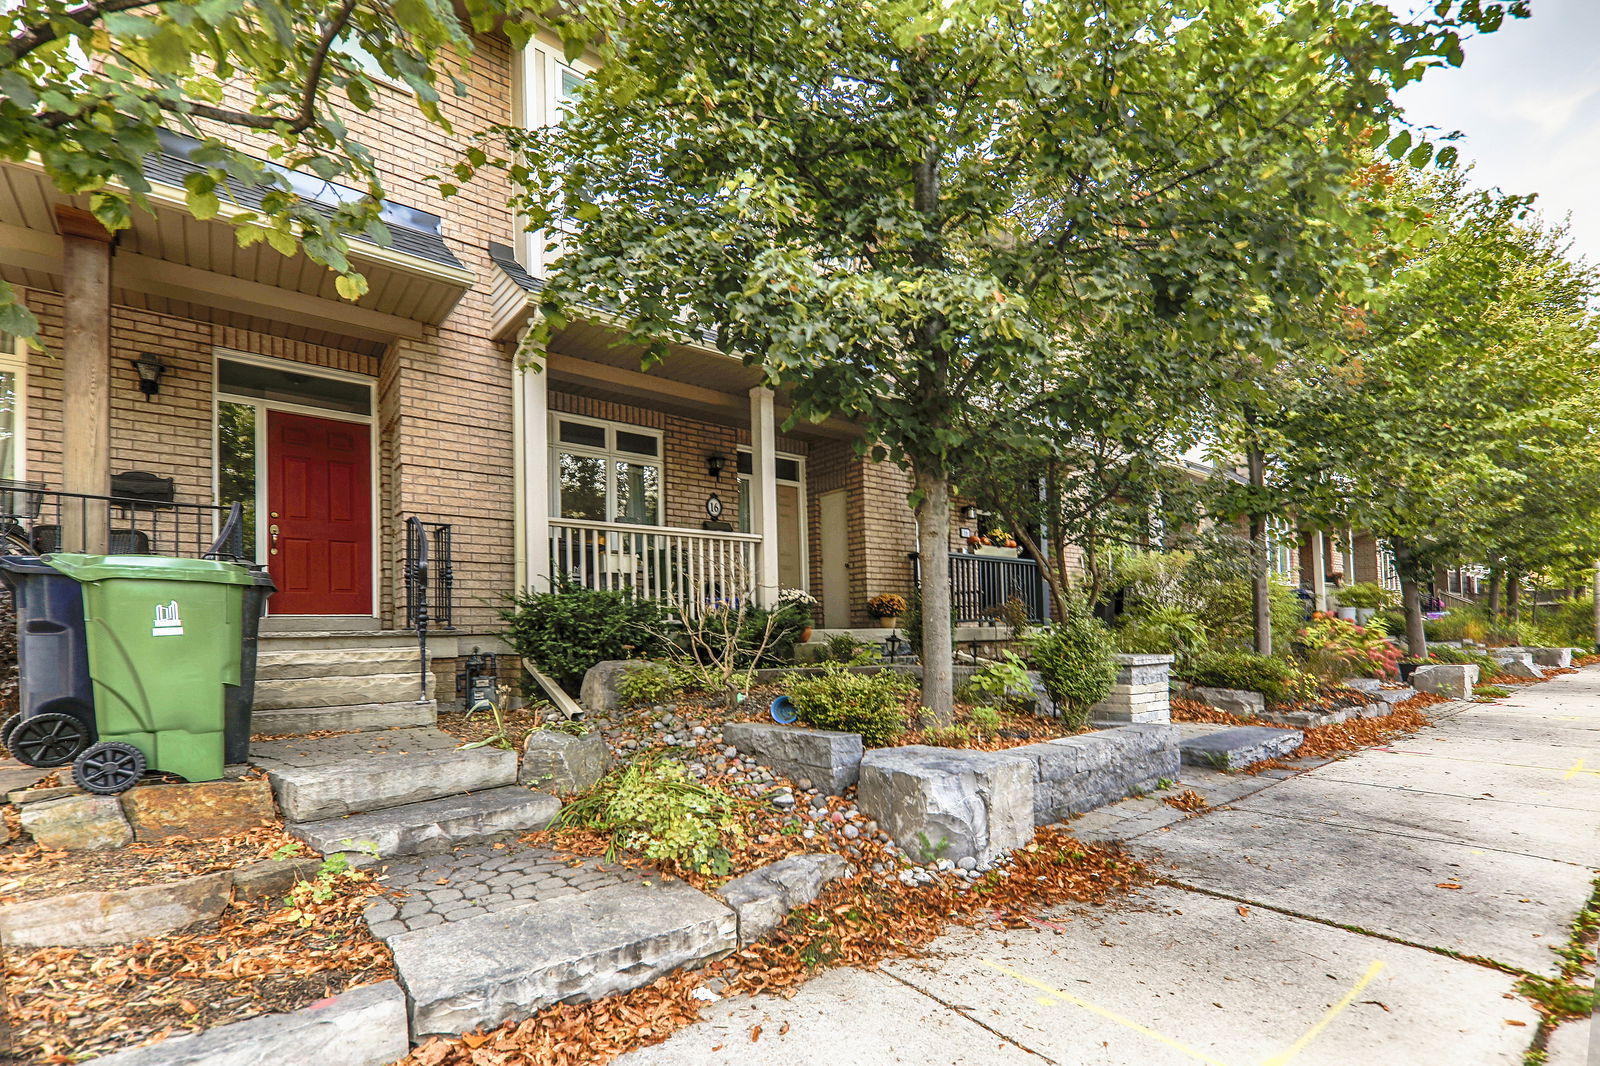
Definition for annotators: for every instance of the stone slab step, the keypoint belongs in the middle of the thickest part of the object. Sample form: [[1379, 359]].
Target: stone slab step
[[295, 720], [334, 662], [1235, 747], [478, 972], [1392, 696], [335, 691], [378, 782], [431, 826]]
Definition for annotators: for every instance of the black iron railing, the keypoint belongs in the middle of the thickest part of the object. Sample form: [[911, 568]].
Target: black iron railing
[[35, 520], [982, 585], [430, 580]]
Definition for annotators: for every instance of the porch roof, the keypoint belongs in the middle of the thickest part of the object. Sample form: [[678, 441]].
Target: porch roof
[[590, 358], [172, 263]]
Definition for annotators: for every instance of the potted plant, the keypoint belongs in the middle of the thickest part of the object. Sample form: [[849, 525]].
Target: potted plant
[[1365, 598], [1407, 665], [887, 609], [998, 543], [800, 603]]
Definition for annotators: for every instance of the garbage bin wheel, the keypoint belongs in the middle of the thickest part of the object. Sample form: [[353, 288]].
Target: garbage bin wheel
[[47, 739], [5, 730], [109, 768]]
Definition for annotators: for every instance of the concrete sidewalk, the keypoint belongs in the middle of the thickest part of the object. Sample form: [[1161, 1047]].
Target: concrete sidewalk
[[1307, 924]]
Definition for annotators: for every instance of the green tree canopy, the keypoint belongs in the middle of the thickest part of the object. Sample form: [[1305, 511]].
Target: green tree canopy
[[85, 88]]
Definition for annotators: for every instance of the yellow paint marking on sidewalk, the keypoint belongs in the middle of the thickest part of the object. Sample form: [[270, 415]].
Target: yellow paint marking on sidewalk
[[1332, 1013], [1577, 768], [1107, 1014]]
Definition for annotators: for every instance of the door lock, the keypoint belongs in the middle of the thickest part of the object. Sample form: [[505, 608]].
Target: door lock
[[272, 531]]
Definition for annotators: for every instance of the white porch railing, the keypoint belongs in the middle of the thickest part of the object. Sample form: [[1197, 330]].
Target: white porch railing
[[690, 568]]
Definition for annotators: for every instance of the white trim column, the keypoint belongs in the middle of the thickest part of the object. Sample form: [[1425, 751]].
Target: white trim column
[[531, 420], [1319, 573], [764, 492]]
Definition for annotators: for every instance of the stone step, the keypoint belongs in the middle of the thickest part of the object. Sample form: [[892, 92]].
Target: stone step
[[279, 694], [357, 640], [431, 826], [1392, 696], [480, 971], [334, 662], [289, 721], [1235, 747], [309, 793]]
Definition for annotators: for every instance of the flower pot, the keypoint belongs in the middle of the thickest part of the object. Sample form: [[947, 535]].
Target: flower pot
[[1346, 613], [805, 635], [889, 623], [1364, 614], [1405, 671], [994, 552]]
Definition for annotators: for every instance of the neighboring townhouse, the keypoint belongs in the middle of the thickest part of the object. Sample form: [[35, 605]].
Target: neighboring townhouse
[[237, 374]]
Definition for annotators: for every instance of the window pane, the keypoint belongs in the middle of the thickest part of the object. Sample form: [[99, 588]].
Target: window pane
[[571, 81], [278, 383], [637, 443], [638, 493], [583, 487], [583, 434], [787, 469], [744, 463], [744, 505], [236, 464], [10, 446]]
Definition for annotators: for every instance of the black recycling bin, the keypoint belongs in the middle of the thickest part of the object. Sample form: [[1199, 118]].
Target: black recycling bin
[[237, 699], [55, 698]]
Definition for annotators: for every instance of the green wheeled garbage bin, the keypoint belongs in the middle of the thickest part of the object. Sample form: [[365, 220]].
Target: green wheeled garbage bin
[[164, 642]]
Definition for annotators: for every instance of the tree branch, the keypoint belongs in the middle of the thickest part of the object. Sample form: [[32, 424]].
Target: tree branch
[[35, 37]]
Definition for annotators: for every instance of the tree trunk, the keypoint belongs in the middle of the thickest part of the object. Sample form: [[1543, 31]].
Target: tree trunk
[[1260, 573], [1411, 599], [1495, 579], [1514, 597], [1597, 605], [933, 543]]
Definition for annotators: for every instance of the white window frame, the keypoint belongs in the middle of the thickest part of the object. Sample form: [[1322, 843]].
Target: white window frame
[[14, 360], [611, 454], [538, 97], [220, 396]]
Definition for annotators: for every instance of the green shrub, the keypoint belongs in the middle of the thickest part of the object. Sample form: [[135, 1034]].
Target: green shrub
[[565, 632], [987, 720], [1392, 622], [872, 704], [654, 809], [745, 632], [843, 648], [1272, 677], [1365, 594], [1490, 692], [1163, 631], [646, 685], [1073, 658], [1227, 611], [1000, 681]]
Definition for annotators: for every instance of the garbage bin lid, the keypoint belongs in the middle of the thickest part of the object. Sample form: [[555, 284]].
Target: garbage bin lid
[[88, 568]]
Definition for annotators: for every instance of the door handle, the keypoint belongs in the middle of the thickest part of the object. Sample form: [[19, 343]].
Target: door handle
[[272, 532]]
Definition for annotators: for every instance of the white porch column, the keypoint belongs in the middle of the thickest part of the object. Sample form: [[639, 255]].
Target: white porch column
[[764, 492], [1319, 573], [85, 377], [531, 419]]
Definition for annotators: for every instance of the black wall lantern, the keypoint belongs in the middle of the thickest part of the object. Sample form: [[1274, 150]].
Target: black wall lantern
[[150, 368], [714, 464]]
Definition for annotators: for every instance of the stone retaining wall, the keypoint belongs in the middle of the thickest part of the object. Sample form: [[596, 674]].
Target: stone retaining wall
[[1077, 774]]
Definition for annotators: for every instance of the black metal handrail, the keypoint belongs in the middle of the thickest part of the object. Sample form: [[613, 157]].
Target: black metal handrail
[[430, 577], [35, 520], [981, 585]]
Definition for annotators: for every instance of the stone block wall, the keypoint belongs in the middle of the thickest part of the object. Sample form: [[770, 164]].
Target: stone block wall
[[1141, 693], [1077, 774]]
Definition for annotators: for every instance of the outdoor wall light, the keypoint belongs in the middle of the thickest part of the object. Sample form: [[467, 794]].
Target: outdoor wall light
[[150, 368], [714, 464], [969, 512]]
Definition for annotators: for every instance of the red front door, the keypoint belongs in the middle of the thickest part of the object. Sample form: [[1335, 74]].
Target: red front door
[[319, 515]]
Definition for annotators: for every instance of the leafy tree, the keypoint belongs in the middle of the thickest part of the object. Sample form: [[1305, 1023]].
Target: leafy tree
[[86, 89], [1462, 379], [894, 208]]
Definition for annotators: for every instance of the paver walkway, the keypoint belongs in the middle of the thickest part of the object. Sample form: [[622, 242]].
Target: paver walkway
[[1308, 924], [480, 879]]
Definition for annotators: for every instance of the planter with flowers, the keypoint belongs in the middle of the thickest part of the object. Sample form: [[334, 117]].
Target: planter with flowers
[[801, 605], [996, 543], [887, 609]]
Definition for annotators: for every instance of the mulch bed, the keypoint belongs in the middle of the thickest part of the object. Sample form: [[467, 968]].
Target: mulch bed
[[28, 871], [262, 957], [482, 726]]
